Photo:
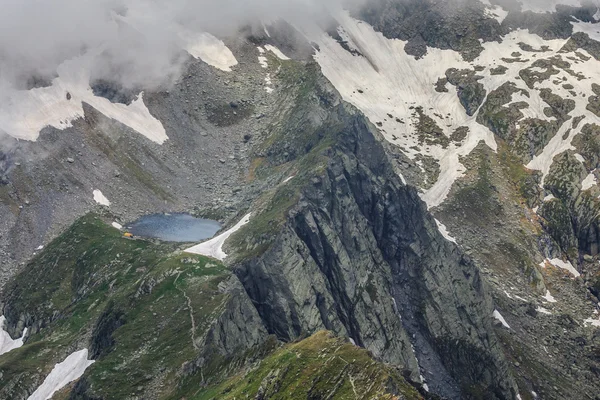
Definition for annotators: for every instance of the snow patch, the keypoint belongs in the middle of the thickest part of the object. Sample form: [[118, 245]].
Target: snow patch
[[592, 322], [542, 310], [6, 342], [24, 113], [277, 52], [500, 318], [262, 60], [557, 262], [101, 199], [520, 298], [289, 179], [214, 247], [496, 12], [62, 374], [373, 77], [549, 197], [444, 231], [209, 49], [548, 297], [589, 182]]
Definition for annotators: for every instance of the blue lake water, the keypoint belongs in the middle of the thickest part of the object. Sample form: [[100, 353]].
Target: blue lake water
[[174, 227]]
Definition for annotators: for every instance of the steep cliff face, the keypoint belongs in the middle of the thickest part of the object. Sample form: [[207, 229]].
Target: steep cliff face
[[360, 255]]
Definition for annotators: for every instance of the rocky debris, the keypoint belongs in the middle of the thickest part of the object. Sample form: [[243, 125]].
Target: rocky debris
[[335, 34], [454, 24], [559, 108], [114, 92], [470, 92], [181, 175], [539, 344], [428, 130], [529, 48], [496, 115], [594, 101], [582, 40], [549, 66], [459, 134], [440, 85], [556, 25], [499, 70], [587, 143]]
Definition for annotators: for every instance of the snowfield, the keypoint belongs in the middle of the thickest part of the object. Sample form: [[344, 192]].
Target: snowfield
[[558, 263], [444, 231], [6, 342], [500, 318], [24, 113], [100, 198], [384, 82], [62, 374], [209, 49], [214, 247], [548, 297]]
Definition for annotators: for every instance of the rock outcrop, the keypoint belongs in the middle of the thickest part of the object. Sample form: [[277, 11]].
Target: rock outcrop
[[360, 255]]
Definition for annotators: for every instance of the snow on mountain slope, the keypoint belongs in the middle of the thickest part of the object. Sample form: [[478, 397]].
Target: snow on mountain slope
[[6, 342], [100, 198], [387, 85], [26, 112], [209, 49], [62, 374], [214, 247], [394, 90], [592, 30]]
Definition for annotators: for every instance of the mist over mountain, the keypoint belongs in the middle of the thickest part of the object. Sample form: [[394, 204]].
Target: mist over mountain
[[139, 40]]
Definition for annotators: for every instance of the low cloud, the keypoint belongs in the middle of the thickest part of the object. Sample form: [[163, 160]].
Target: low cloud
[[136, 42]]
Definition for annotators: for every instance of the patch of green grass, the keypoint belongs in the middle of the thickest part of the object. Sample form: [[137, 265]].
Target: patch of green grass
[[318, 367], [154, 288]]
